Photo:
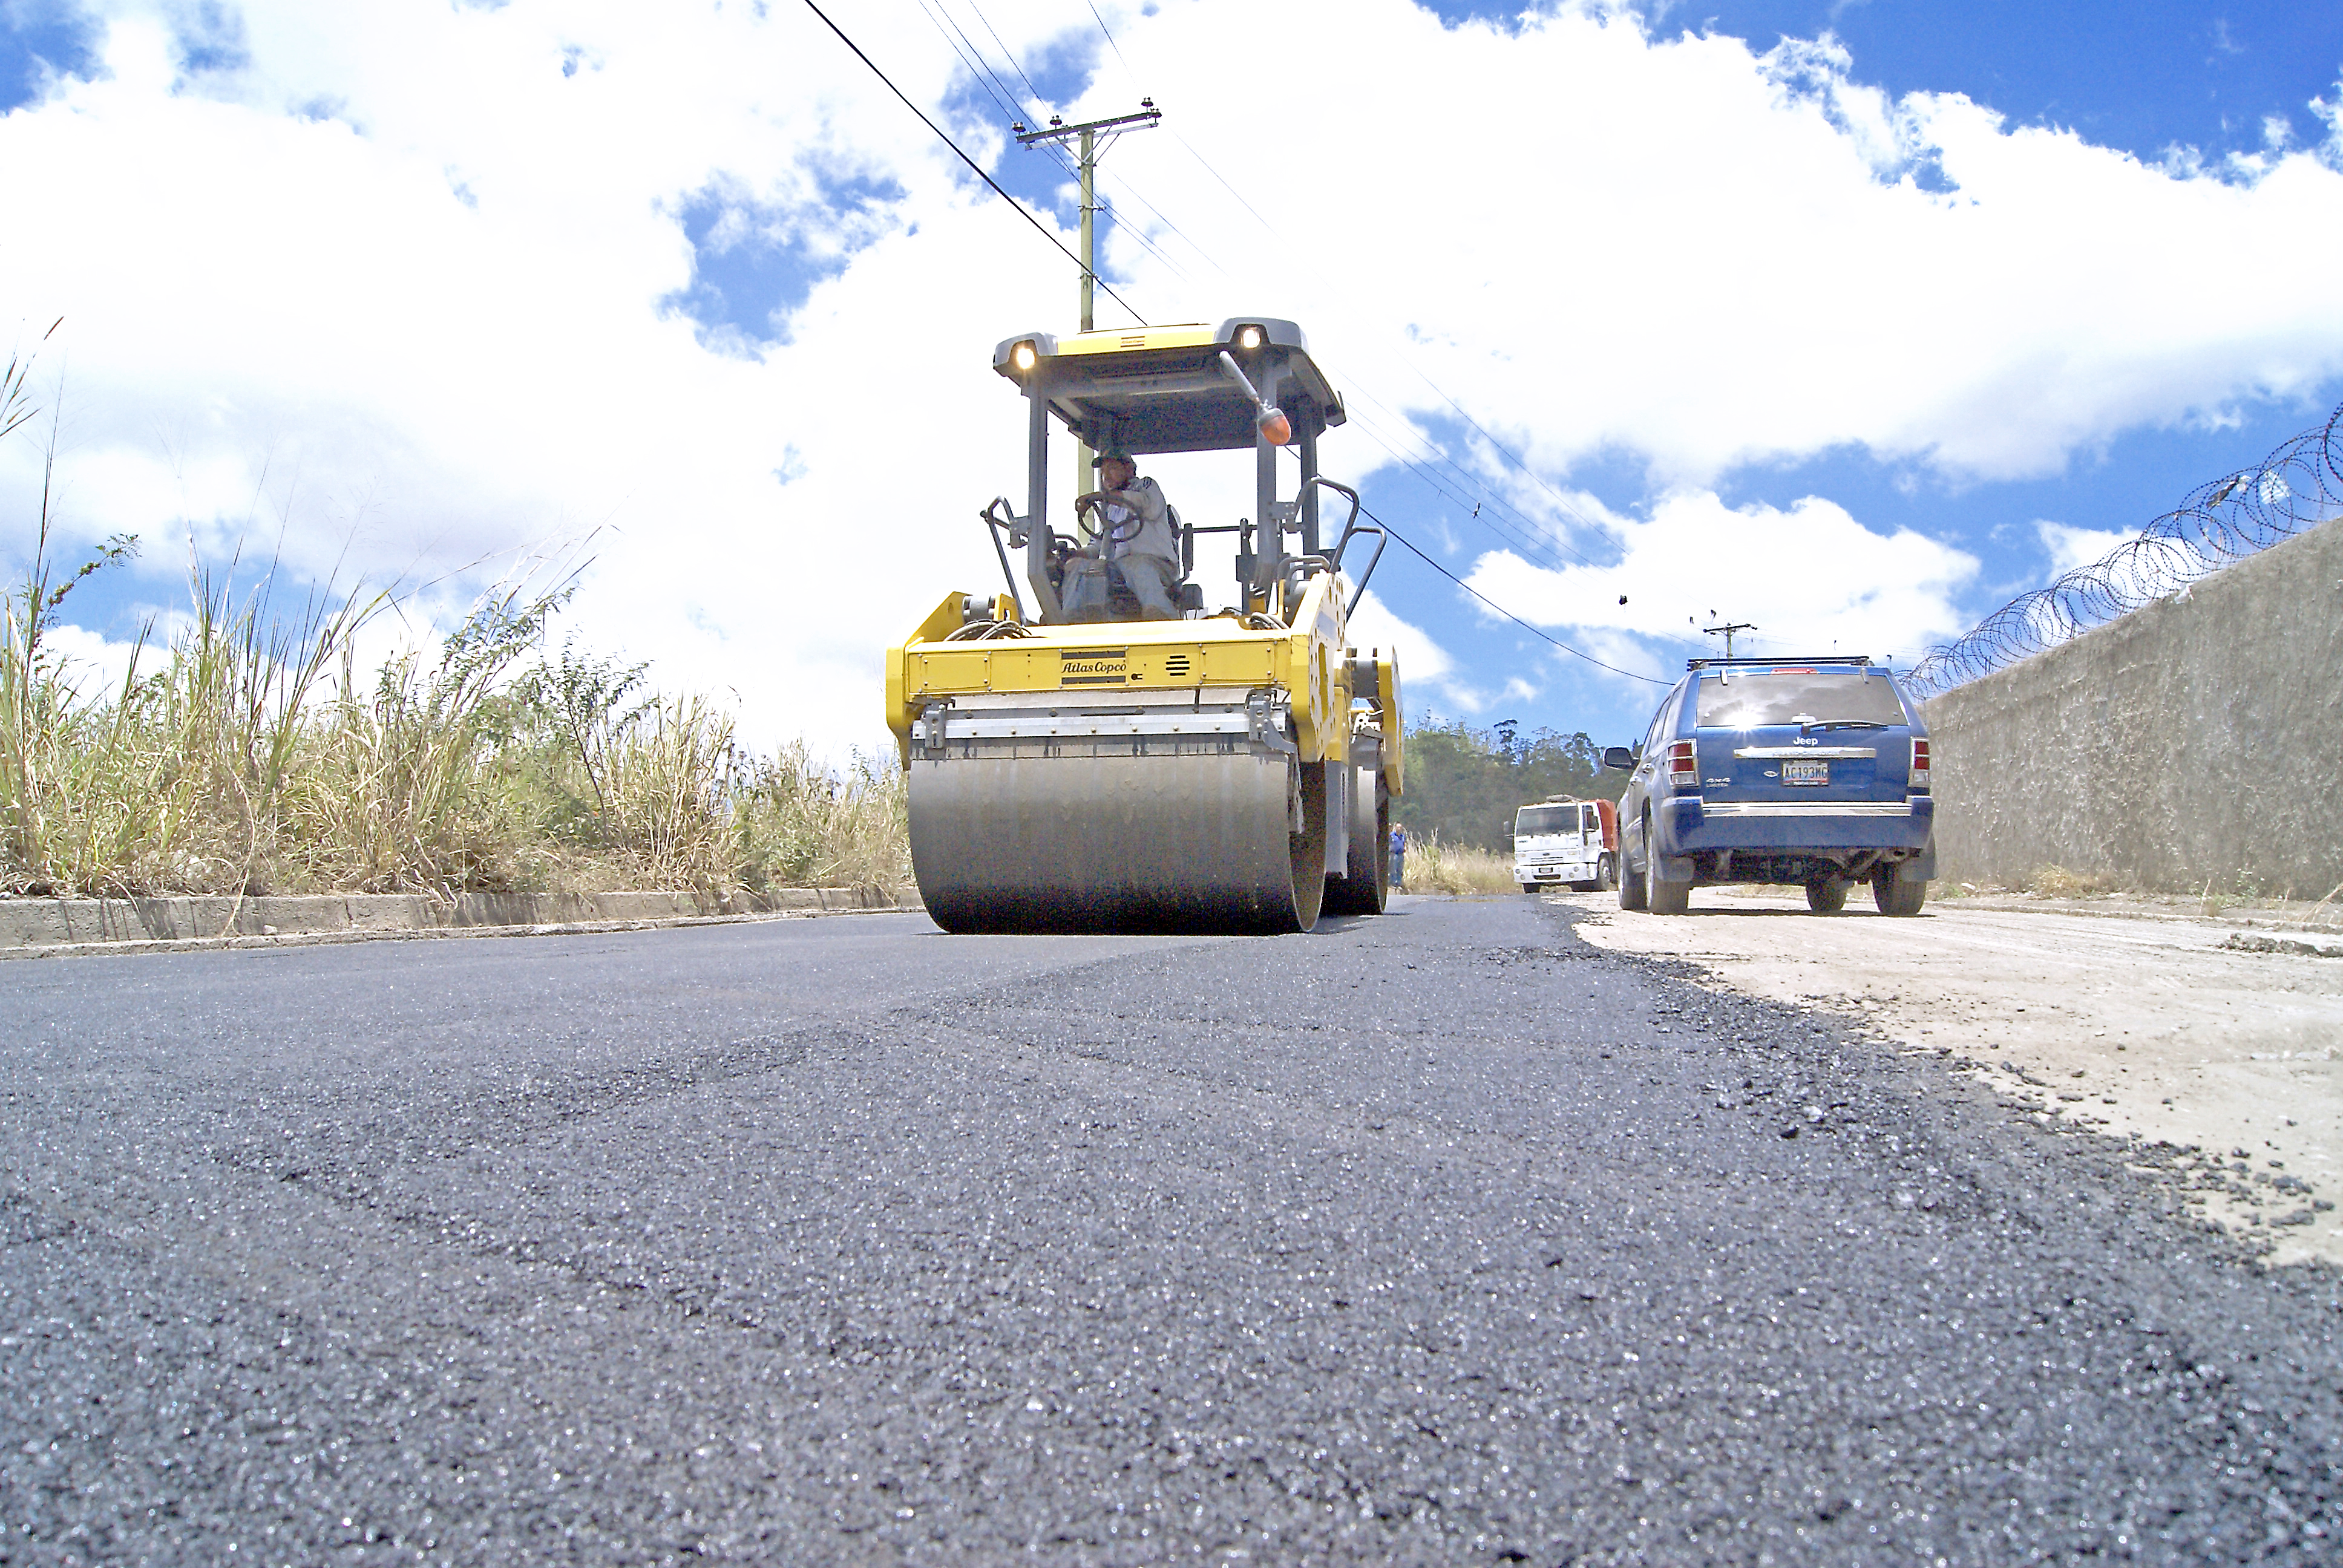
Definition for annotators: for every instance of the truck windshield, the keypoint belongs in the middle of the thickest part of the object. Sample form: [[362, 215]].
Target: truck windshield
[[1745, 698], [1532, 820]]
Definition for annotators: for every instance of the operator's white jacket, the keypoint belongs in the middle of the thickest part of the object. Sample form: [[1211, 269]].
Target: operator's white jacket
[[1137, 522]]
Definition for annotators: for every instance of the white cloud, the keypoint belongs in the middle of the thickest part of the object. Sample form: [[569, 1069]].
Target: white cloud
[[2070, 546], [401, 284], [1825, 582], [92, 663], [1704, 258], [276, 322], [1423, 665]]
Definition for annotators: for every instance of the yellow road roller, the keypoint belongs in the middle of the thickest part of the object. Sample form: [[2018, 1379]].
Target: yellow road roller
[[1094, 749]]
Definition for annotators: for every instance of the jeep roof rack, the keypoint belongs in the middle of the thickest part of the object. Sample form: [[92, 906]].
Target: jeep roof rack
[[1780, 658]]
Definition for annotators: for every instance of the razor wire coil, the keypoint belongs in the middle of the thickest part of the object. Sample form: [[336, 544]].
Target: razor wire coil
[[2294, 489]]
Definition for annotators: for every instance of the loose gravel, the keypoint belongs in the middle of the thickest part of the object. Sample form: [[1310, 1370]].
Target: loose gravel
[[1440, 1237]]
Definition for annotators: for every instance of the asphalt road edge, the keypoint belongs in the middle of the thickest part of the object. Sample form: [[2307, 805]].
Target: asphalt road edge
[[78, 927]]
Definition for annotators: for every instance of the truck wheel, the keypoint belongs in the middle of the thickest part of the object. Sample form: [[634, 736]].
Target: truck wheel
[[1894, 895], [1663, 896], [1529, 887], [1826, 895], [1606, 874]]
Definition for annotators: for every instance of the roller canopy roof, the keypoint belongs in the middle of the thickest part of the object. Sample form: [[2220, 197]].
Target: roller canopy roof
[[1162, 389]]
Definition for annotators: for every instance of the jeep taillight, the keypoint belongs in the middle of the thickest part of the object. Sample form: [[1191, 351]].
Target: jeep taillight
[[1683, 765], [1919, 774]]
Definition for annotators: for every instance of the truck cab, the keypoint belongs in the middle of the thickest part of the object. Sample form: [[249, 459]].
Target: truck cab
[[1563, 842]]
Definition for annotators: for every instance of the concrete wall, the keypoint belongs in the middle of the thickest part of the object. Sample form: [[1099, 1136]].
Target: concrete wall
[[2199, 738]]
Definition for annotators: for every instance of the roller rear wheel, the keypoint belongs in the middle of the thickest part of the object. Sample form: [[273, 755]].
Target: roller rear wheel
[[1364, 889]]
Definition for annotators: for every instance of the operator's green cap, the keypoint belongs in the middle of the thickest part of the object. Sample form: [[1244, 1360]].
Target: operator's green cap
[[1110, 454]]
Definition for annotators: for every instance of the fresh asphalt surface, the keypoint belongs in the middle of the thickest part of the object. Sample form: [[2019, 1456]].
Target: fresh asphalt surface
[[1440, 1237]]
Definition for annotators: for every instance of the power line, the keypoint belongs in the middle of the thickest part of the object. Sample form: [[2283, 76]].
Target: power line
[[1138, 236], [1132, 191], [1514, 539], [980, 67], [1111, 42], [971, 162], [1517, 540], [1462, 413], [1501, 609], [1510, 537], [1228, 188], [1539, 554], [1136, 315], [1006, 52], [973, 58], [1488, 497], [1004, 97]]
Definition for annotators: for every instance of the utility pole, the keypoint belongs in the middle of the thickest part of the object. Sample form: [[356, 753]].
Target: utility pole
[[1728, 628], [1092, 138]]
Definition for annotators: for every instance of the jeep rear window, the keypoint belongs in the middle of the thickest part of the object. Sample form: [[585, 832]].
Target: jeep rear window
[[1546, 819], [1745, 698]]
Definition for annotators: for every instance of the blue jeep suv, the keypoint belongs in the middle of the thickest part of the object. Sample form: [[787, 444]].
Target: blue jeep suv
[[1810, 771]]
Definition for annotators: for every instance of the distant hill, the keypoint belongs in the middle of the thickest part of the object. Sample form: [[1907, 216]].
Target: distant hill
[[1463, 784]]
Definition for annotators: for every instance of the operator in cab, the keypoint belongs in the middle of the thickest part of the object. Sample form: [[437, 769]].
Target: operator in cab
[[1137, 546]]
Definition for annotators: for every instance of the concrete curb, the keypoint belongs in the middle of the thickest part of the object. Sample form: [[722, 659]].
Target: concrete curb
[[63, 928]]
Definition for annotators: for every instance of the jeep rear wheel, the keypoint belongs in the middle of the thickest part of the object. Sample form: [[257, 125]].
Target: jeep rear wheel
[[1663, 896], [1631, 888], [1895, 895]]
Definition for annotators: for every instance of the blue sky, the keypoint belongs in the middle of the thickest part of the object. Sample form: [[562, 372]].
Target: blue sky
[[1731, 309]]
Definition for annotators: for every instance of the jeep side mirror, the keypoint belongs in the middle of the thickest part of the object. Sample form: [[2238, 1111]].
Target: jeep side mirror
[[1619, 759]]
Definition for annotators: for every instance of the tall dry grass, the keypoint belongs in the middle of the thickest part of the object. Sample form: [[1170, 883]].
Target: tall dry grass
[[249, 754], [1434, 866]]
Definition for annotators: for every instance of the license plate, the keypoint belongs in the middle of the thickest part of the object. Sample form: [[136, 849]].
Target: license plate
[[1799, 770]]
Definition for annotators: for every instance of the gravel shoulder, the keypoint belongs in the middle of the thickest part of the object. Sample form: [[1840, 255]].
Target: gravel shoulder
[[2148, 1025]]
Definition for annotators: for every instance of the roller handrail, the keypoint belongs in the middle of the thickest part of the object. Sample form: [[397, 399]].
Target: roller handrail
[[1350, 528], [1348, 495], [1359, 588]]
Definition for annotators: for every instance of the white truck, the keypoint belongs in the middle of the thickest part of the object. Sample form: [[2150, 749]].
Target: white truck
[[1565, 841]]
